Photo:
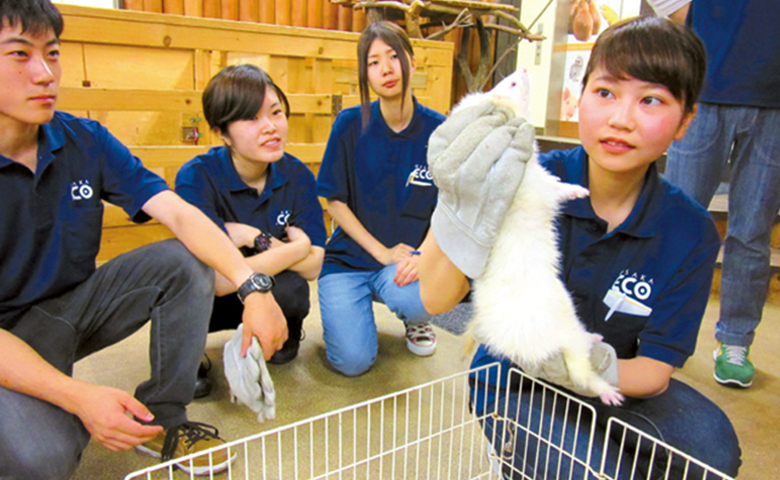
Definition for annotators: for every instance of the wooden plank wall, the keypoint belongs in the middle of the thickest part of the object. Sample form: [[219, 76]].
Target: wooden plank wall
[[141, 75], [296, 13]]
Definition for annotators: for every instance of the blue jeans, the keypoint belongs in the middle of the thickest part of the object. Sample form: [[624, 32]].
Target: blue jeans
[[747, 139], [346, 306], [680, 416], [162, 282]]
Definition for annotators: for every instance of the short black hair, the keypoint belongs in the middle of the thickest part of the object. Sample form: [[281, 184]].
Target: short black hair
[[237, 93], [35, 16], [398, 40], [655, 50]]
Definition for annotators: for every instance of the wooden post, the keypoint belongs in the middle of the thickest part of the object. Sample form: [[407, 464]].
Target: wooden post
[[248, 10], [193, 8], [266, 14], [229, 9], [314, 13], [358, 20], [174, 7], [154, 6], [211, 9], [330, 15], [282, 12], [345, 19], [299, 13], [137, 5]]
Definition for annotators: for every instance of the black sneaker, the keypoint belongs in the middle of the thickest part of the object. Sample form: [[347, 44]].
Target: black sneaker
[[289, 350], [202, 383]]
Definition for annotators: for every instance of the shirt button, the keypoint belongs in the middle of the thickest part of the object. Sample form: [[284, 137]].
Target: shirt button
[[593, 227]]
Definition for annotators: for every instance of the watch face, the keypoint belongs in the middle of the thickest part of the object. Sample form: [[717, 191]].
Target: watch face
[[263, 282]]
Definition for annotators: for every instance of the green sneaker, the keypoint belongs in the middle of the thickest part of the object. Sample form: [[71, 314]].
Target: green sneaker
[[733, 366]]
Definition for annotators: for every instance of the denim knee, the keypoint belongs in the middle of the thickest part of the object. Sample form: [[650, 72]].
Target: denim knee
[[352, 363]]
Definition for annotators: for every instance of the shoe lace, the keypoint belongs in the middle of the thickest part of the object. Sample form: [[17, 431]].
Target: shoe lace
[[421, 330], [735, 355], [190, 433]]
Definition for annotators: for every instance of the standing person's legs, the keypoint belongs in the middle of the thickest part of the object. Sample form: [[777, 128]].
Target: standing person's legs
[[754, 200], [348, 327], [163, 282], [695, 164], [406, 304]]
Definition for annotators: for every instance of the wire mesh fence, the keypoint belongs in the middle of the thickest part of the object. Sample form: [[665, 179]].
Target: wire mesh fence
[[438, 431]]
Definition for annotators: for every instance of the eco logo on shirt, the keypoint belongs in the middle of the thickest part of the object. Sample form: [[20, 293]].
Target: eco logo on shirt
[[281, 219], [420, 176], [627, 293], [81, 190]]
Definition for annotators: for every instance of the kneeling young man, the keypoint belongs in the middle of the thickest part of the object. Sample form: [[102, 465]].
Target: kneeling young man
[[56, 307]]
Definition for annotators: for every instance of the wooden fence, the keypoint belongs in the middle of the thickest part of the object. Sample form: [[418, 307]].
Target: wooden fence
[[141, 75], [296, 13]]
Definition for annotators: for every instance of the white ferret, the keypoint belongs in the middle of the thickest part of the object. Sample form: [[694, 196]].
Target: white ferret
[[522, 309]]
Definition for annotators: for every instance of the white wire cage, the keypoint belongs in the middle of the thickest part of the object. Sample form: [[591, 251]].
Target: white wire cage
[[434, 431]]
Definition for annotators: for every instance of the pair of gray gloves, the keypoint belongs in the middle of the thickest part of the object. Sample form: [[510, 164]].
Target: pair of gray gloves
[[478, 158]]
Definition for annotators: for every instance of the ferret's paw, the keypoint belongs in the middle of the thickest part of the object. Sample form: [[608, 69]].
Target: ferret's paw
[[612, 397], [596, 337], [576, 191]]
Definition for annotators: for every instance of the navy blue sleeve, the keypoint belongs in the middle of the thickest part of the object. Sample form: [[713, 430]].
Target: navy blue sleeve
[[670, 334], [126, 182], [307, 212], [194, 185], [332, 180]]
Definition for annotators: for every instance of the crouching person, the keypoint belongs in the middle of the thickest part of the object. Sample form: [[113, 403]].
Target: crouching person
[[56, 307], [264, 198]]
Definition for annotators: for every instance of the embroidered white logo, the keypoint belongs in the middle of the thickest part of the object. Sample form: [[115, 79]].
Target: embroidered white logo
[[81, 190], [281, 219], [420, 176], [627, 293]]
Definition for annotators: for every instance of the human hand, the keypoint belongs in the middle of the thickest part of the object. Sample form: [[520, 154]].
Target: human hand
[[406, 271], [477, 158], [603, 360], [103, 411], [394, 255], [295, 234], [263, 318], [243, 235]]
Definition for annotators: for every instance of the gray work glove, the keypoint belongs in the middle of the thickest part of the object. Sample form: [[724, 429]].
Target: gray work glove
[[248, 377], [603, 359], [477, 158]]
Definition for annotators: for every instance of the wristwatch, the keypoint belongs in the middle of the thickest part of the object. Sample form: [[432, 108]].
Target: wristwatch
[[262, 242], [257, 282]]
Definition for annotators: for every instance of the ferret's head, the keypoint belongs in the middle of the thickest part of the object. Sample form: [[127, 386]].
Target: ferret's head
[[514, 91]]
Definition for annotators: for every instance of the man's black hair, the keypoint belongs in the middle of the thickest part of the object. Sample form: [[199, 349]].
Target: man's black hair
[[36, 17]]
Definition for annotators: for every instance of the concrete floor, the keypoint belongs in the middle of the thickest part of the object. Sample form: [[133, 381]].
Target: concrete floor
[[307, 387]]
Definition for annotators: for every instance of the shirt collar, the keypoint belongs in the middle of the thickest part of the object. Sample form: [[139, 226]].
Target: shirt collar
[[275, 179], [379, 125], [51, 138], [641, 222]]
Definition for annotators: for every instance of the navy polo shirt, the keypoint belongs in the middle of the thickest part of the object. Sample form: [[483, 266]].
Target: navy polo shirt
[[211, 183], [383, 177], [643, 286], [52, 219]]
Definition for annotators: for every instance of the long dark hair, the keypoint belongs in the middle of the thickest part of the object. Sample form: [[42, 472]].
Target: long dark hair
[[396, 38]]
